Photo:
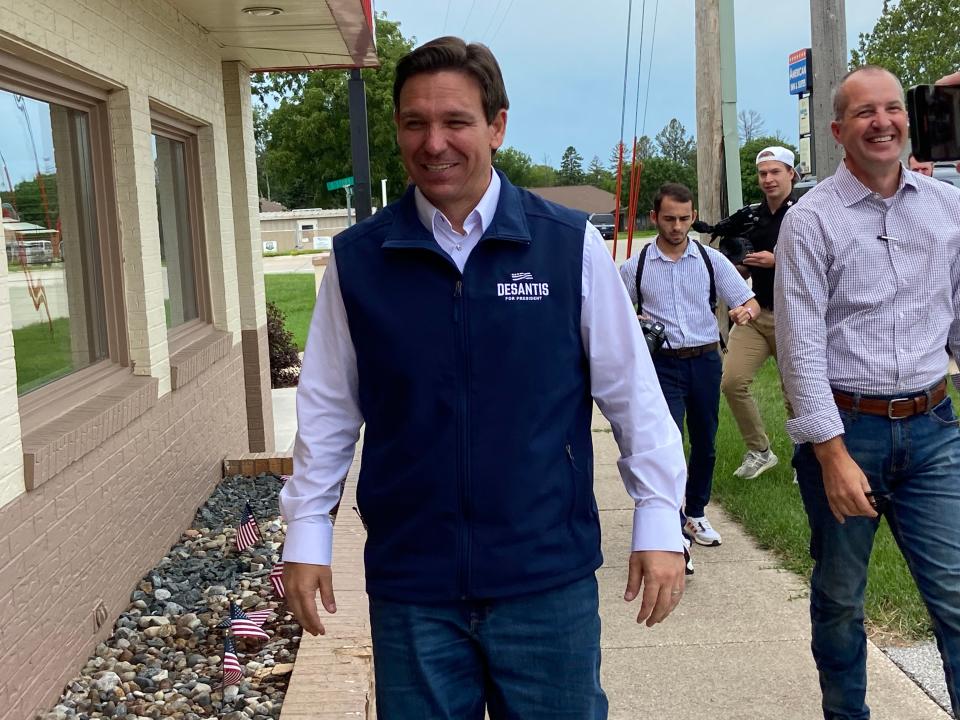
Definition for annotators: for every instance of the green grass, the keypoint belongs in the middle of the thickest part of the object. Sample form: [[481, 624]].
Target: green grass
[[294, 294], [42, 356], [289, 253], [771, 511]]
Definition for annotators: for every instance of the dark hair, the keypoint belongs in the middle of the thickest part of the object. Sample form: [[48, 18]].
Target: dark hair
[[674, 191], [452, 53], [839, 98]]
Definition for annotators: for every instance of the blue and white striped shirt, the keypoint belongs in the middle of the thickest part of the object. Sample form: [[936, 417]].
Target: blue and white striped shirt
[[677, 293], [867, 294]]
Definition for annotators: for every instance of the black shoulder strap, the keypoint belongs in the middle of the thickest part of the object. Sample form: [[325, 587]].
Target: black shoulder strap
[[713, 282], [640, 264]]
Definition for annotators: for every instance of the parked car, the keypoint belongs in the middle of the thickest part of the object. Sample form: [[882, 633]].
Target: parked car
[[804, 185], [604, 223], [948, 173]]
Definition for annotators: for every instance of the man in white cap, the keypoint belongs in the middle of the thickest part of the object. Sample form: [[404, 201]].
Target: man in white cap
[[750, 345]]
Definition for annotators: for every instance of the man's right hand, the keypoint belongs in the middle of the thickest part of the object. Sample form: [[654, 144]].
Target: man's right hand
[[843, 481], [300, 584]]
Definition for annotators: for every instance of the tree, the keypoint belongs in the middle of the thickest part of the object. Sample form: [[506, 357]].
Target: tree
[[656, 172], [751, 125], [34, 206], [542, 176], [916, 40], [598, 176], [674, 144], [514, 164], [306, 139], [748, 166], [571, 167]]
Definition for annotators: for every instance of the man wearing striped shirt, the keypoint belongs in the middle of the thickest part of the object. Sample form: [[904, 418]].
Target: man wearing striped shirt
[[867, 295], [676, 289]]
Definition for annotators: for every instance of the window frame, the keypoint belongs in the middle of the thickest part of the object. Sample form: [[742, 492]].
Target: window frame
[[165, 123], [42, 84]]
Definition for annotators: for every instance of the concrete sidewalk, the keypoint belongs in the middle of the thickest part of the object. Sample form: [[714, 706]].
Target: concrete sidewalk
[[737, 647]]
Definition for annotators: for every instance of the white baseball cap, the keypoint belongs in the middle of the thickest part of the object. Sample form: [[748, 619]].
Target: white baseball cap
[[776, 152]]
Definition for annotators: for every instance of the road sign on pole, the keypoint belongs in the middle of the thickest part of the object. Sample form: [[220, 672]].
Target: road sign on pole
[[341, 183]]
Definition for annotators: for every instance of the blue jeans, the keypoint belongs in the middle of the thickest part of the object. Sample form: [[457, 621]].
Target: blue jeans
[[917, 462], [691, 387], [534, 656]]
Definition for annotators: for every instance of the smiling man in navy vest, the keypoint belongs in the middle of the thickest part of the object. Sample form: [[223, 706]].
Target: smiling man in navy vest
[[470, 326]]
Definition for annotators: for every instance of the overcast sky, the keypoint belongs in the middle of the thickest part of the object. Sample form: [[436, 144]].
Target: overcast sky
[[563, 62]]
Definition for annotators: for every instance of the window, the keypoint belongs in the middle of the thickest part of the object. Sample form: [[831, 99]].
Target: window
[[176, 170], [58, 232]]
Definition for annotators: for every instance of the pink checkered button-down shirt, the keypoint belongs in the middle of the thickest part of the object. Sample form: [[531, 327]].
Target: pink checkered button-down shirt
[[867, 294]]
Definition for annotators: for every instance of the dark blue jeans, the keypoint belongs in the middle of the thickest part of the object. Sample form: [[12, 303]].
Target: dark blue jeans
[[691, 387], [916, 461], [534, 656]]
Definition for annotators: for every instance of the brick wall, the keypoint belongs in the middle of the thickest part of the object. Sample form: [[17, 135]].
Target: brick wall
[[93, 530], [89, 532]]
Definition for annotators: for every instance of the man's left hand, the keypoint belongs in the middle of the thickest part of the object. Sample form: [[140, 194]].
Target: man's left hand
[[661, 574], [762, 259]]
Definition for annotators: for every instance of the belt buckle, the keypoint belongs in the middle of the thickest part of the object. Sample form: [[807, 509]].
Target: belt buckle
[[890, 415]]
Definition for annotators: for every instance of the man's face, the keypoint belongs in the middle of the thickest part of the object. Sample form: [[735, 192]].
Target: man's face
[[674, 220], [924, 168], [445, 139], [873, 130], [775, 179]]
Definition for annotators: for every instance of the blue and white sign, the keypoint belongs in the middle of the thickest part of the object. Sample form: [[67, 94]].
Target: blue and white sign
[[801, 79]]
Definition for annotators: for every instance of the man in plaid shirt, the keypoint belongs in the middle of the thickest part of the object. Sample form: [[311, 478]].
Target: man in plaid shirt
[[867, 296]]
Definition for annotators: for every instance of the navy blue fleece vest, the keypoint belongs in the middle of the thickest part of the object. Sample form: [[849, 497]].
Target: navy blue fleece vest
[[476, 479]]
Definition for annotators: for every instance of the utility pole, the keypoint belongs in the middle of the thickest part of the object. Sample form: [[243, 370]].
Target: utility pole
[[828, 34], [709, 124], [728, 111], [359, 147]]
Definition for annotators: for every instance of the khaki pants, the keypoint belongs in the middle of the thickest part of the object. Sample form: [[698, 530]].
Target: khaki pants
[[748, 348]]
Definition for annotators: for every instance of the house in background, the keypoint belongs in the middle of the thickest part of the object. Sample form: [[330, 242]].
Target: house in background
[[587, 198], [132, 368]]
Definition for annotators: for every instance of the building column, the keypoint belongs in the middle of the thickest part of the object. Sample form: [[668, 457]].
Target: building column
[[246, 231], [11, 449]]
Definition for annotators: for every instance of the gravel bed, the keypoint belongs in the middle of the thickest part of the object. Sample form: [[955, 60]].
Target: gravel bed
[[164, 657], [925, 667]]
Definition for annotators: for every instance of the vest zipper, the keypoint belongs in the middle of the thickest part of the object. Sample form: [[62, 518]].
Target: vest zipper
[[463, 566]]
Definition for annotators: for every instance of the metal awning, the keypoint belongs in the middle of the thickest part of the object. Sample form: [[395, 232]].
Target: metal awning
[[303, 35]]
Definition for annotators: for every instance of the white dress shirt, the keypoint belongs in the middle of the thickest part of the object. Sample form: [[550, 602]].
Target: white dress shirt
[[623, 384]]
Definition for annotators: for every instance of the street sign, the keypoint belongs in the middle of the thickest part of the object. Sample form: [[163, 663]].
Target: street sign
[[341, 183], [804, 115], [801, 78]]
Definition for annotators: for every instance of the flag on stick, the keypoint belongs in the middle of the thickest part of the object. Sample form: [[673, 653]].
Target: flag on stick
[[259, 616], [242, 626], [232, 670], [276, 579], [248, 531]]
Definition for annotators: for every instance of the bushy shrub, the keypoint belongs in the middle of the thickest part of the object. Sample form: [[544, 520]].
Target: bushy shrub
[[284, 358]]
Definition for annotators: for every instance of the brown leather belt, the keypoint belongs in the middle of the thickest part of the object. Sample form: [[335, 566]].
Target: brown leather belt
[[893, 408], [689, 352]]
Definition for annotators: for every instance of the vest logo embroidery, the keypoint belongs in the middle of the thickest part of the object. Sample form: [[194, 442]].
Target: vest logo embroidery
[[522, 287]]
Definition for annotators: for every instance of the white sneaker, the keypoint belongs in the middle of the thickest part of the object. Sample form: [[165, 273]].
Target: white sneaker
[[755, 463], [701, 531], [688, 561]]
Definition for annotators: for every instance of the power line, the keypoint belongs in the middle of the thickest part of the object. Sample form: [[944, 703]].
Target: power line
[[446, 17], [467, 21], [636, 108], [646, 97], [626, 64], [502, 20], [492, 16]]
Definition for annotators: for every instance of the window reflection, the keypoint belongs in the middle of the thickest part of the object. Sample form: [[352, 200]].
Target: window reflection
[[51, 240], [176, 237]]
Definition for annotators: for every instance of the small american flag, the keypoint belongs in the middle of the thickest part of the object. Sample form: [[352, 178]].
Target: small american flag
[[259, 616], [243, 626], [248, 532], [276, 579], [232, 670], [521, 276]]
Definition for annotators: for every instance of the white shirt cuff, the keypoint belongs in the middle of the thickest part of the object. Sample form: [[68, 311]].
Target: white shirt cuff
[[657, 529], [309, 541]]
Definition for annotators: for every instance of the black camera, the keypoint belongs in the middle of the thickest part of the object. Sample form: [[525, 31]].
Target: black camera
[[654, 333], [731, 233]]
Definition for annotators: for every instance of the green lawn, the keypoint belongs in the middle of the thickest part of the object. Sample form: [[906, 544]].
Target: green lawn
[[769, 509], [294, 294], [41, 356]]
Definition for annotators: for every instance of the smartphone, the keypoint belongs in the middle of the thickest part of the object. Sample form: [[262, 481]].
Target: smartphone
[[934, 112]]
